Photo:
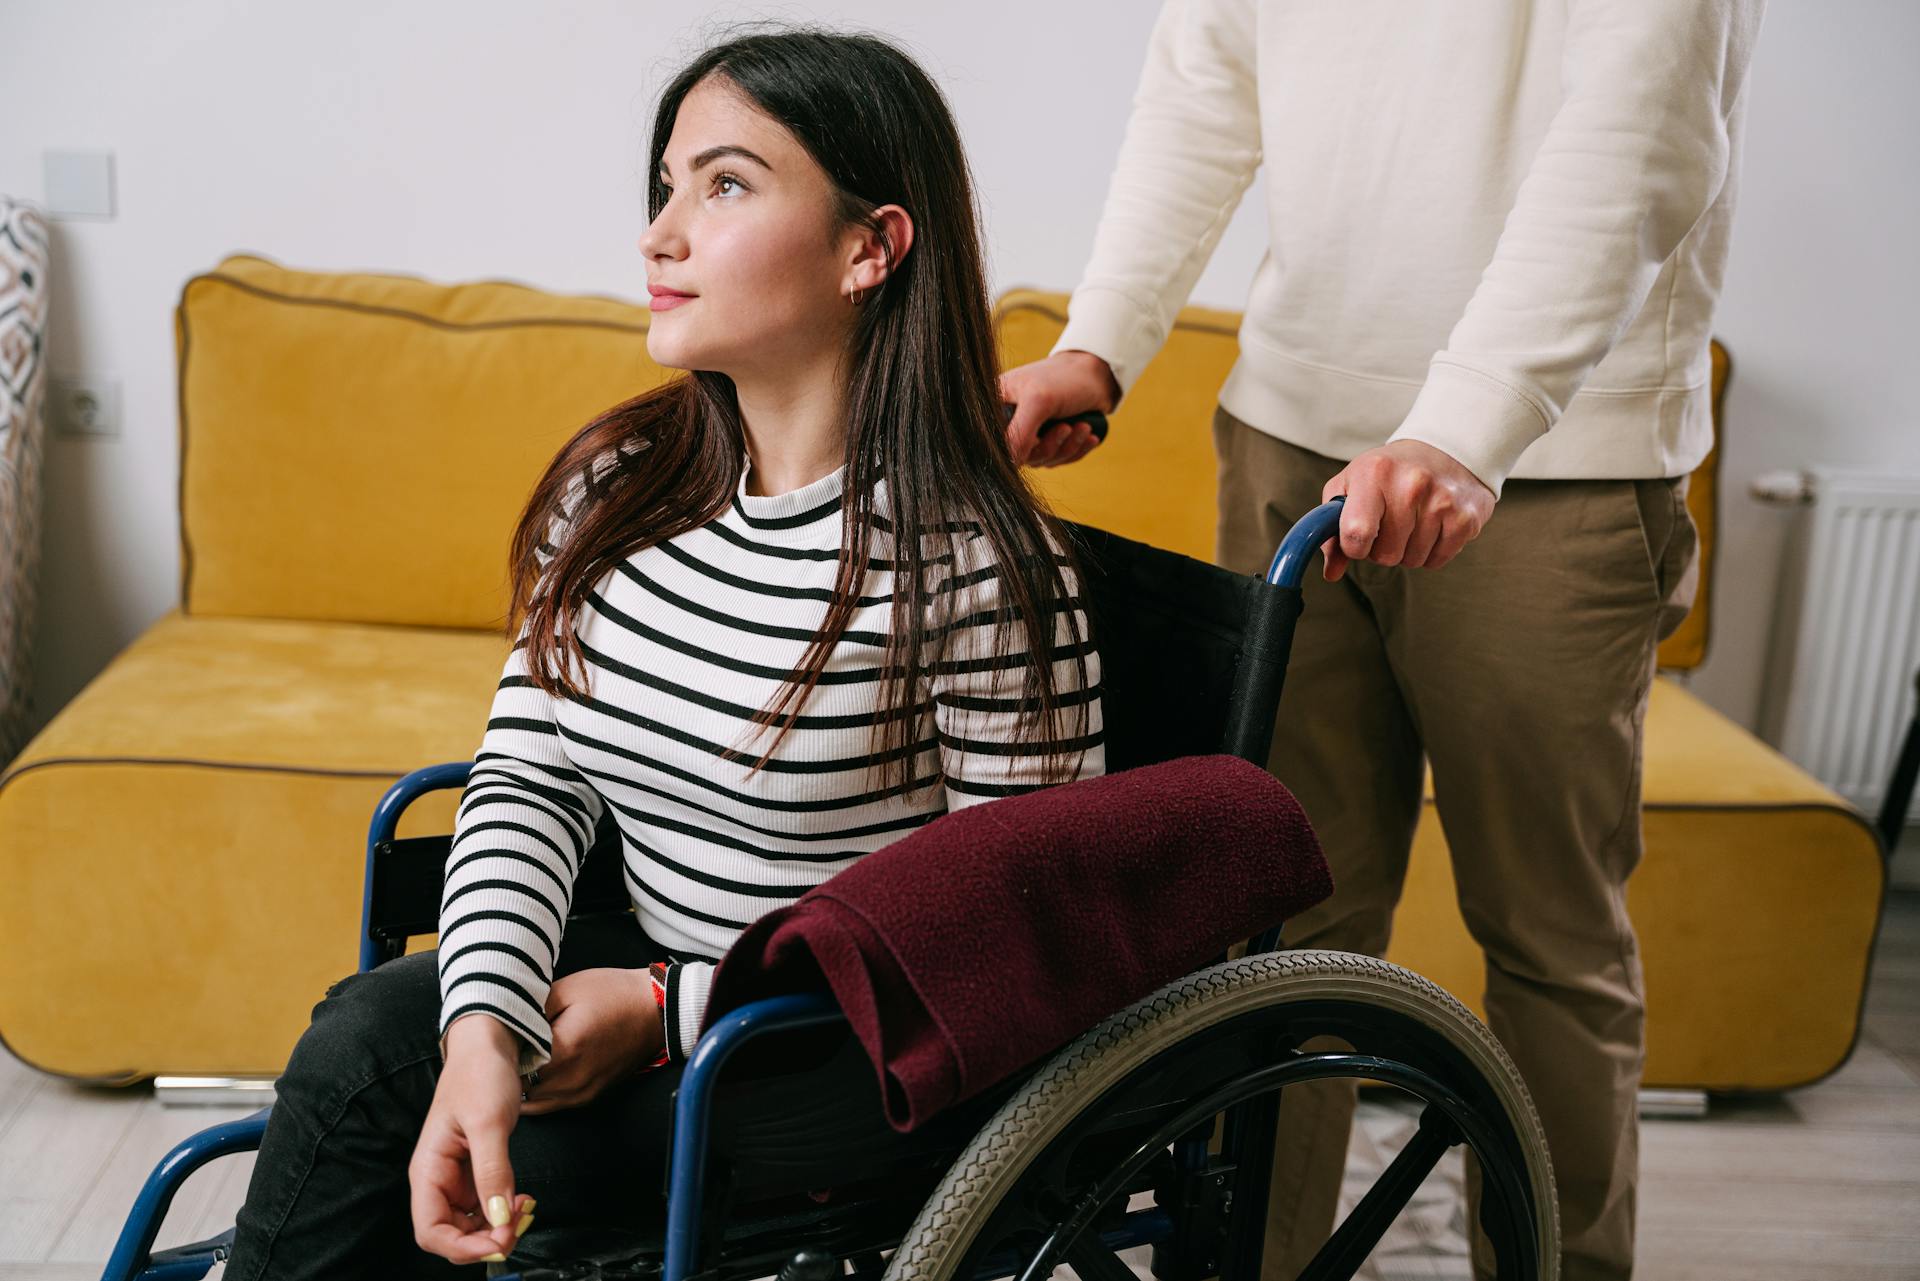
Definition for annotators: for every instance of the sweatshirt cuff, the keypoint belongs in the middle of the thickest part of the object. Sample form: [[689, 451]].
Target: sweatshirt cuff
[[688, 983], [1475, 418], [1112, 326]]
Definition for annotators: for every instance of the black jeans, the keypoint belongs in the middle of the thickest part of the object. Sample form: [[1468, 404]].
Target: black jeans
[[330, 1194]]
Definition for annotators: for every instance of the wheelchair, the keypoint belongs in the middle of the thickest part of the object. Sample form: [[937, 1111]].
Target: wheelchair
[[1155, 1128]]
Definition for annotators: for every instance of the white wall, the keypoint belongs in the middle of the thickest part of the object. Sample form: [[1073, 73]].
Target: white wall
[[1821, 296], [461, 139]]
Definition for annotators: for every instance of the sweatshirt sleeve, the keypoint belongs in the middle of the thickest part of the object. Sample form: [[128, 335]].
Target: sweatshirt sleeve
[[687, 985], [1191, 149], [1637, 153], [523, 827], [986, 748]]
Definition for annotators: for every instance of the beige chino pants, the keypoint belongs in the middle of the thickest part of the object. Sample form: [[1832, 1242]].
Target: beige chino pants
[[1520, 671]]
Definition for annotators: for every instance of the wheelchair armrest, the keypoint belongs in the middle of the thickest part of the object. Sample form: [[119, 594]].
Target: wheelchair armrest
[[401, 891], [131, 1252], [693, 1107], [386, 821], [409, 788]]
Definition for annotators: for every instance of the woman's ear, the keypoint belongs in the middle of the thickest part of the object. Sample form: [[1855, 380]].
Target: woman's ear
[[877, 253]]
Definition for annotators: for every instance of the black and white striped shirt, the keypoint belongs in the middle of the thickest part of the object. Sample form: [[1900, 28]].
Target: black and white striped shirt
[[685, 641]]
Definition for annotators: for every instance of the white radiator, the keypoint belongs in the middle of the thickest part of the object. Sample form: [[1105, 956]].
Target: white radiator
[[1840, 679]]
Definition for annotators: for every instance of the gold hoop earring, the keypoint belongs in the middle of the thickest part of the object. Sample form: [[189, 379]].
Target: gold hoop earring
[[856, 295]]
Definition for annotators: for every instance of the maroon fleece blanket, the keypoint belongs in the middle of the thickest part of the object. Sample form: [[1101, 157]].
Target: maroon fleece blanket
[[998, 933]]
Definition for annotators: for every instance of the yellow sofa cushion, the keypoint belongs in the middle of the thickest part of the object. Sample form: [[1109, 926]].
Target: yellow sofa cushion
[[357, 447], [1686, 648], [184, 843], [1154, 478]]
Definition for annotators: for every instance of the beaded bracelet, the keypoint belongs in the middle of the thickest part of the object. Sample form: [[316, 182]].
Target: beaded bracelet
[[657, 980]]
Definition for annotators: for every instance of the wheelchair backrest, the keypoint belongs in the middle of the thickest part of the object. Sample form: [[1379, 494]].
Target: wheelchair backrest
[[1190, 654]]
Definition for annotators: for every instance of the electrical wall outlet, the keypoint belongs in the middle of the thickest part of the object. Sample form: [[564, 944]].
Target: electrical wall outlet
[[85, 405]]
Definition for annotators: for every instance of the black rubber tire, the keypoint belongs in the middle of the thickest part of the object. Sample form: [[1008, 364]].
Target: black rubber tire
[[988, 1169]]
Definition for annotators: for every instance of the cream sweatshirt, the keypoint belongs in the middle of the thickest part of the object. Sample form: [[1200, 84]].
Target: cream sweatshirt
[[1496, 227]]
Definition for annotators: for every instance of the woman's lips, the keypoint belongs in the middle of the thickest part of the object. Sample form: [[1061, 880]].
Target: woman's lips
[[668, 300]]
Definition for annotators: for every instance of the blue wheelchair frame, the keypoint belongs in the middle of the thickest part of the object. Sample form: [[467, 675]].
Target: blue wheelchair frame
[[133, 1258]]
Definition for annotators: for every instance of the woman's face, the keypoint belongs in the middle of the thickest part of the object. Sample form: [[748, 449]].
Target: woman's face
[[749, 231]]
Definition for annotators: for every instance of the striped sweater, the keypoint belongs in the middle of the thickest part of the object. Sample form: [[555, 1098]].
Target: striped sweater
[[685, 640]]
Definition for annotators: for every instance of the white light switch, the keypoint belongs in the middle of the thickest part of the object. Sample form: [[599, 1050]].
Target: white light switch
[[79, 184]]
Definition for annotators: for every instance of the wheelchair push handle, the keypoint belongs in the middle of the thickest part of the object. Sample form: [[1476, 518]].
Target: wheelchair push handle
[[1289, 565], [1092, 418], [1268, 642]]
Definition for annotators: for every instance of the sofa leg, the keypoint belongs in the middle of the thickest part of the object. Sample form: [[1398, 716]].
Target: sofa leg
[[214, 1091], [1673, 1103]]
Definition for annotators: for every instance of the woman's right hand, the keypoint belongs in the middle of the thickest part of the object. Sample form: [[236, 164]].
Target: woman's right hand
[[460, 1164]]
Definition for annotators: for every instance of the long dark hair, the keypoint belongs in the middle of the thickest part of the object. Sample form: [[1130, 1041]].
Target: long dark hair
[[923, 413]]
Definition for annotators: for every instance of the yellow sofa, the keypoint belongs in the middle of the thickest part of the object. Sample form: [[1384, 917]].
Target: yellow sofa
[[185, 838]]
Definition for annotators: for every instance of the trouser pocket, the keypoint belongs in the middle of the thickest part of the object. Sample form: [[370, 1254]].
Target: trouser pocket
[[1673, 548]]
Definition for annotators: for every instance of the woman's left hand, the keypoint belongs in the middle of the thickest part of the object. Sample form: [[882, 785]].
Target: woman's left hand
[[606, 1027]]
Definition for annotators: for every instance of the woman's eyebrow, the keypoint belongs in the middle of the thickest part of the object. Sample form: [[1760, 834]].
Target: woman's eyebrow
[[712, 154]]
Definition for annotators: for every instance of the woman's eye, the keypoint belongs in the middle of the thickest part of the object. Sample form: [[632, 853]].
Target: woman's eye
[[727, 179]]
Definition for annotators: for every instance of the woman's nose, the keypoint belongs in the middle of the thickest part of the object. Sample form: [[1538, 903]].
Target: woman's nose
[[663, 238]]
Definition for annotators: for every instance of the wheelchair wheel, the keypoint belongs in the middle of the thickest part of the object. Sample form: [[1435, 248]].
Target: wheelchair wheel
[[1047, 1180]]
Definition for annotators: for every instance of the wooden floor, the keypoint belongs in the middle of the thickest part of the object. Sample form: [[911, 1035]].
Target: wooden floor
[[1821, 1184]]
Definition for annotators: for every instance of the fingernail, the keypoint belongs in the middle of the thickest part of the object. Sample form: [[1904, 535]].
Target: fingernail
[[526, 1221], [498, 1212], [495, 1257]]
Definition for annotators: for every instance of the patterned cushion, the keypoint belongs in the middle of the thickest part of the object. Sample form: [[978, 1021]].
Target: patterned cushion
[[23, 327]]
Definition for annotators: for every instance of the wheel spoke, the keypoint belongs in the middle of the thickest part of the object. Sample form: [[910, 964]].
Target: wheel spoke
[[1355, 1239]]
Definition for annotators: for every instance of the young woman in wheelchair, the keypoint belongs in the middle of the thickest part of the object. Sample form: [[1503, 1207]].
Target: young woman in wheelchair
[[724, 649]]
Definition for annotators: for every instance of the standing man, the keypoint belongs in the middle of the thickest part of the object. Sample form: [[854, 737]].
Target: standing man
[[1497, 232]]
